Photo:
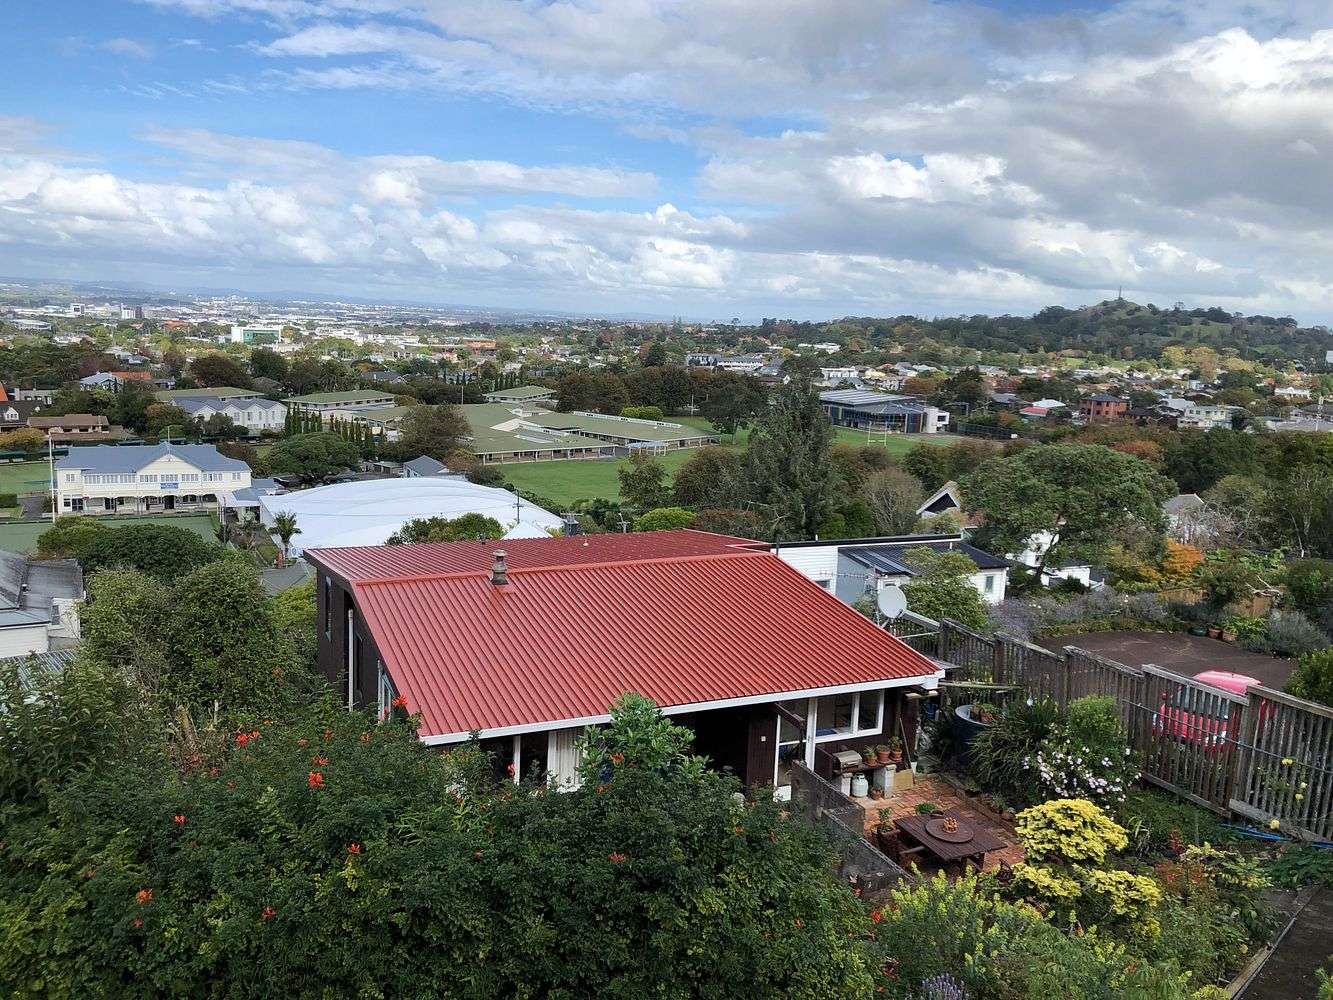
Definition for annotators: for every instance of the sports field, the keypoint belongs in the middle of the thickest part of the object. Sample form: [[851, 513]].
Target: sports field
[[22, 536], [566, 481], [25, 477]]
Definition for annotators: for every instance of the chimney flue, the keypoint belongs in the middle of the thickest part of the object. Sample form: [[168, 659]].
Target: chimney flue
[[499, 571]]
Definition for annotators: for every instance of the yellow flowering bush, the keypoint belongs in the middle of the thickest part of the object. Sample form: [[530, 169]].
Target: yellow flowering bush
[[1125, 898], [1044, 887], [1070, 830]]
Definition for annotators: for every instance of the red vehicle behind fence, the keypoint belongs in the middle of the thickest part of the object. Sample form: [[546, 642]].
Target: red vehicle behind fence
[[1179, 716]]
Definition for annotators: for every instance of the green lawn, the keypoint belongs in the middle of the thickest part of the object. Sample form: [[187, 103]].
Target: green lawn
[[898, 445], [579, 479], [25, 477], [566, 481], [22, 536]]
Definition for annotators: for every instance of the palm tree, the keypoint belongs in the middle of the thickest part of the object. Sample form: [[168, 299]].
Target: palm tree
[[284, 523]]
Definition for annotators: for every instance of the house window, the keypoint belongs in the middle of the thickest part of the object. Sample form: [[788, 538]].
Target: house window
[[840, 716], [148, 478], [989, 585], [387, 693]]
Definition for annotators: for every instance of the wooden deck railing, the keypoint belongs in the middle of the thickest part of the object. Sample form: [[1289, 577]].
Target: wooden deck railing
[[1263, 755]]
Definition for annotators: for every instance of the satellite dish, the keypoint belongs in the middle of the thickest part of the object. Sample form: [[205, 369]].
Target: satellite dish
[[891, 601]]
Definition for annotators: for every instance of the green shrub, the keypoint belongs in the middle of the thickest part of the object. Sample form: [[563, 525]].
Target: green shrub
[[278, 865], [1088, 755], [1005, 950], [9, 499], [1313, 677], [1158, 823], [1000, 754], [163, 551], [1069, 831], [1299, 865]]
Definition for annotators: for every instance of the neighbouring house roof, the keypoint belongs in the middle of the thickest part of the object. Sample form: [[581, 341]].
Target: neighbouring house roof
[[69, 420], [702, 622], [889, 558], [361, 563], [193, 404], [30, 670], [28, 587], [132, 458], [1182, 503], [351, 396], [1101, 397], [521, 392], [933, 503], [426, 466], [212, 392]]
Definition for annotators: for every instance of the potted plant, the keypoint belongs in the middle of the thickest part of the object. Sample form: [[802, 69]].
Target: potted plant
[[927, 808], [868, 755], [882, 754], [1214, 632], [894, 750], [886, 834]]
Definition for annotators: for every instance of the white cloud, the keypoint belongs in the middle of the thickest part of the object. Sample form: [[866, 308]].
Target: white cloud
[[934, 156], [127, 47]]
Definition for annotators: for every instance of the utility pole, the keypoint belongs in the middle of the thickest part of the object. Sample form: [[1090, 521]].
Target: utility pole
[[51, 480]]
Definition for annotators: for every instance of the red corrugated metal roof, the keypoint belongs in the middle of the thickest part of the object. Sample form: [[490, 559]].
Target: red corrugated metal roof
[[377, 562], [562, 643]]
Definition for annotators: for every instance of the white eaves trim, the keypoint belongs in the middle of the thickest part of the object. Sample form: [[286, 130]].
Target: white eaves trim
[[927, 681]]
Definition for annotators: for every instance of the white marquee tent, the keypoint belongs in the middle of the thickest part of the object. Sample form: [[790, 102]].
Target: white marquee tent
[[369, 511]]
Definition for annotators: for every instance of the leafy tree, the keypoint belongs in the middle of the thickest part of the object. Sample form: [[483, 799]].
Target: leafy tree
[[942, 587], [788, 467], [162, 551], [130, 406], [725, 521], [465, 528], [665, 519], [219, 370], [433, 430], [1196, 460], [893, 497], [243, 452], [29, 440], [654, 355], [1077, 499], [643, 484], [733, 401], [285, 527], [312, 456], [218, 425], [294, 618], [161, 417], [71, 537], [248, 866], [709, 478], [268, 363], [857, 463]]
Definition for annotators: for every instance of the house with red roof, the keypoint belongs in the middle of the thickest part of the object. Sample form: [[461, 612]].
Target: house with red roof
[[526, 642]]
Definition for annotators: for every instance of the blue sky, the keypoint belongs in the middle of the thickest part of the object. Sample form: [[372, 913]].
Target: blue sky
[[711, 158]]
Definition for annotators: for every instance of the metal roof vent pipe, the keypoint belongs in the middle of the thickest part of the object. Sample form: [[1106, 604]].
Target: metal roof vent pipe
[[499, 571]]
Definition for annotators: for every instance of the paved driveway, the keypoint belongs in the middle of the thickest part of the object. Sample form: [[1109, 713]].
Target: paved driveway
[[1179, 651]]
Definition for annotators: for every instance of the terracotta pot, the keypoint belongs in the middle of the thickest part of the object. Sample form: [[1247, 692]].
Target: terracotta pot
[[1214, 632], [882, 756], [1228, 636], [896, 758]]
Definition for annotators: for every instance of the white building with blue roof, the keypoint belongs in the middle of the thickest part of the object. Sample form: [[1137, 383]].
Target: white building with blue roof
[[253, 415], [146, 479]]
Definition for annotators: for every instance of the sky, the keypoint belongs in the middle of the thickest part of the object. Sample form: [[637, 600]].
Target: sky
[[703, 158]]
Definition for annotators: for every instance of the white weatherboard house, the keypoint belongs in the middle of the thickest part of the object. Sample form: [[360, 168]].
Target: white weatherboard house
[[145, 479], [255, 415]]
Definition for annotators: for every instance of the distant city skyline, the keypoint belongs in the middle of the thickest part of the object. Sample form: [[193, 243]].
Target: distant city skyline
[[712, 159]]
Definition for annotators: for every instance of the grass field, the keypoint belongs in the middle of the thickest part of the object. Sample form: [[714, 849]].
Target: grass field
[[25, 477], [22, 537], [565, 482]]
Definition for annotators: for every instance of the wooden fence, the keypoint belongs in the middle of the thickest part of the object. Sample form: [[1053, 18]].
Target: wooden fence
[[1263, 755]]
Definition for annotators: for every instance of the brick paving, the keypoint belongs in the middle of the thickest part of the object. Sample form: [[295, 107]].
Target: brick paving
[[931, 789]]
